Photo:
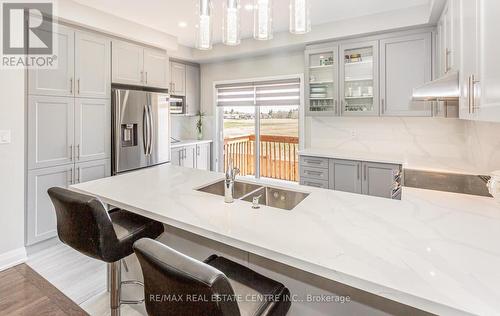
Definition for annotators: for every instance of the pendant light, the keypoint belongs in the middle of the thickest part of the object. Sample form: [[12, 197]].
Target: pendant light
[[205, 26], [300, 19], [231, 23], [263, 20]]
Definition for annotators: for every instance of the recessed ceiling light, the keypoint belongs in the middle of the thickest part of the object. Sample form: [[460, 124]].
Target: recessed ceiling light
[[249, 7], [182, 24]]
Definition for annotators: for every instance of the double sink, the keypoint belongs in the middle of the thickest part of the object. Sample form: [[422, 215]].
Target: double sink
[[267, 195]]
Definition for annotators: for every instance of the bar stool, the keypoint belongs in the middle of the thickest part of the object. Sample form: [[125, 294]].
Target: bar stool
[[175, 284], [84, 224]]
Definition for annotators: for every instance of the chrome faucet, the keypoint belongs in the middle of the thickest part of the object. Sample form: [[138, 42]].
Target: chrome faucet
[[231, 173]]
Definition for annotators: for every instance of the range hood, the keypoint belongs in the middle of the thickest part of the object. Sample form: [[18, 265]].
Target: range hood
[[446, 88]]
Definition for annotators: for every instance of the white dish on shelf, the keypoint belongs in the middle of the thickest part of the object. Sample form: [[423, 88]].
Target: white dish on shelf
[[318, 95], [318, 89]]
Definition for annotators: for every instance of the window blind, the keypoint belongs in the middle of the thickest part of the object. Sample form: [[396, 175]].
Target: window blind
[[264, 93]]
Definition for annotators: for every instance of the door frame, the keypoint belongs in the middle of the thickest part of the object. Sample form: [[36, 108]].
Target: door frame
[[217, 162]]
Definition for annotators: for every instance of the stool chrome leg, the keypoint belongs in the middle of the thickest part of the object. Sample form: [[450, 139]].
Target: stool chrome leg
[[115, 287]]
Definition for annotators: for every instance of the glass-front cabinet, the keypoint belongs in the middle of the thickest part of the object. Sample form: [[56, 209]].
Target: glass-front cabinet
[[322, 81], [359, 79]]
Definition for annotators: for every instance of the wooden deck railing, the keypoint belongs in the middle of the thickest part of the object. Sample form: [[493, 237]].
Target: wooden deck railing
[[278, 156]]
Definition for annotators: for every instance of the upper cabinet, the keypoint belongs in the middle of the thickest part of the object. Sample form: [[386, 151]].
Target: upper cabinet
[[479, 67], [135, 65], [486, 84], [177, 79], [407, 57], [155, 68], [192, 90], [448, 39], [92, 66], [359, 78], [83, 67], [128, 63], [322, 97], [60, 80]]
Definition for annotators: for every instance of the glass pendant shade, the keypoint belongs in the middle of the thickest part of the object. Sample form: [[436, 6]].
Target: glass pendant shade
[[300, 19], [205, 26], [231, 23], [263, 20]]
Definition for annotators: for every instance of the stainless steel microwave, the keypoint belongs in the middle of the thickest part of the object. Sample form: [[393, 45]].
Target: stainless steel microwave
[[177, 104]]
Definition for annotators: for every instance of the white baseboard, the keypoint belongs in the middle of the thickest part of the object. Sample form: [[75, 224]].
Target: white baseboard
[[12, 258]]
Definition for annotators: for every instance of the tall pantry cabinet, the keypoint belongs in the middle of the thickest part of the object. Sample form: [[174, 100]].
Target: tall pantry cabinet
[[69, 117]]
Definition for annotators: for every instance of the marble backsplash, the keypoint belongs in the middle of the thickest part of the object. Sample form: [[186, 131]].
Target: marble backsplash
[[433, 143]]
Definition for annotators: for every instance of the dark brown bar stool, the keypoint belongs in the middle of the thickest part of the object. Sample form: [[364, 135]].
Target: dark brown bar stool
[[84, 224], [176, 284]]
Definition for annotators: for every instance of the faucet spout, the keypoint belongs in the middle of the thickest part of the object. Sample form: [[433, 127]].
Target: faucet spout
[[231, 173]]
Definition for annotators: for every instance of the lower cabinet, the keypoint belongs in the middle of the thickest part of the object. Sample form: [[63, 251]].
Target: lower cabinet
[[41, 217], [345, 175], [369, 178], [192, 156]]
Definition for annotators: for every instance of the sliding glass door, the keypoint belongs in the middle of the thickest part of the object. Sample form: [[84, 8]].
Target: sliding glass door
[[259, 128]]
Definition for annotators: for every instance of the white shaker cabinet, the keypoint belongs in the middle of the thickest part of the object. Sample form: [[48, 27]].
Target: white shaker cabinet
[[405, 63], [486, 85], [155, 68], [128, 63], [203, 156], [92, 66], [41, 217], [50, 131], [177, 79], [92, 170], [60, 80], [92, 129]]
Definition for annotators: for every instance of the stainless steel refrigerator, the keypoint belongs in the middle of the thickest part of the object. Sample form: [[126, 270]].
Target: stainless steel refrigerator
[[141, 129]]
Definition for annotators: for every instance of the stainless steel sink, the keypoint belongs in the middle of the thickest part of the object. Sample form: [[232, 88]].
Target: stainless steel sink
[[279, 198], [269, 196], [240, 188]]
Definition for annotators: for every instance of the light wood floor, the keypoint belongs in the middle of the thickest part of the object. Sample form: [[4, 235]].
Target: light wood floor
[[79, 277], [24, 292]]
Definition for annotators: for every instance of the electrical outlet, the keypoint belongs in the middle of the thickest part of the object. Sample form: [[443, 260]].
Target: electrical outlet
[[5, 137], [354, 134]]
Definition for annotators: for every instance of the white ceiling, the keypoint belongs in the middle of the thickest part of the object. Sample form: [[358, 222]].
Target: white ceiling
[[165, 15]]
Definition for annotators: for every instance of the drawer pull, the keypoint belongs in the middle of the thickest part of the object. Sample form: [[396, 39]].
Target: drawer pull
[[317, 173], [315, 162]]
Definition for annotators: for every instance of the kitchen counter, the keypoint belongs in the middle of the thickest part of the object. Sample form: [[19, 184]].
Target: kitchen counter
[[189, 142], [435, 251], [423, 164]]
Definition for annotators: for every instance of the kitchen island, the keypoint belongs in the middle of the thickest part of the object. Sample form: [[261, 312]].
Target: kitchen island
[[434, 251]]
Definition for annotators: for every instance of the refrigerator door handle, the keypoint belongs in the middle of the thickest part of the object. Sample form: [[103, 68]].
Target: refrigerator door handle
[[151, 128], [145, 129]]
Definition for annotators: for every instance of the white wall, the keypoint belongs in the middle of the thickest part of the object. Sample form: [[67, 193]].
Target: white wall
[[275, 64], [12, 167]]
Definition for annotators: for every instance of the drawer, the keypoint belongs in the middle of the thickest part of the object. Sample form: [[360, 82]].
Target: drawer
[[314, 173], [314, 162], [314, 183]]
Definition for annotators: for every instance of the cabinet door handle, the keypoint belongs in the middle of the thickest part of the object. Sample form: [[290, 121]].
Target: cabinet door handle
[[71, 85], [71, 152], [78, 151], [474, 82], [336, 109], [197, 150], [383, 105], [366, 172], [359, 170], [70, 176], [78, 172], [469, 93], [446, 62], [78, 86], [146, 77]]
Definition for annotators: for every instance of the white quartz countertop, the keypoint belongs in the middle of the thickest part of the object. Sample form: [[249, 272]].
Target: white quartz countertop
[[436, 251], [423, 164], [188, 142]]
